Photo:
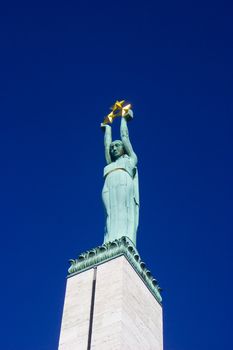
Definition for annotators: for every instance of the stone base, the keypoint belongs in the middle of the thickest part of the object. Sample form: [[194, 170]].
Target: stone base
[[110, 307]]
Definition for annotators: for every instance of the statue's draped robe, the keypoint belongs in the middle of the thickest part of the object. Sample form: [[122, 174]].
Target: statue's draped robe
[[121, 199]]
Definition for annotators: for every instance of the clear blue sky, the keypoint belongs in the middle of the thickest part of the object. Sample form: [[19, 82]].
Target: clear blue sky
[[62, 64]]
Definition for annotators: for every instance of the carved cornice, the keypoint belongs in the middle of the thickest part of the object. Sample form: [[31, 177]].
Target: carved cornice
[[110, 250]]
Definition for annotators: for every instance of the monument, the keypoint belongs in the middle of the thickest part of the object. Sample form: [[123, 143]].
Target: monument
[[112, 300]]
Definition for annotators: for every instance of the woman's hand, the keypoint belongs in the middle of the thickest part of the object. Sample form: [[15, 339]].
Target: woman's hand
[[129, 115], [105, 126]]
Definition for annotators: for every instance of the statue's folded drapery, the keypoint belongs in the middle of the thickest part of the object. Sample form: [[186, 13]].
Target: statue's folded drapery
[[121, 200]]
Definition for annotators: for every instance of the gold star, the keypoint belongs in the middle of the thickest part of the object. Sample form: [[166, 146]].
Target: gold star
[[109, 118], [125, 110], [117, 105]]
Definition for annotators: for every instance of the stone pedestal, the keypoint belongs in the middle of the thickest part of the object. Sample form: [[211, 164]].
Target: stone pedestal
[[111, 307]]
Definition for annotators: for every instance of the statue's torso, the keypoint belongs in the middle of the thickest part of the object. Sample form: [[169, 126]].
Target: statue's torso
[[123, 163]]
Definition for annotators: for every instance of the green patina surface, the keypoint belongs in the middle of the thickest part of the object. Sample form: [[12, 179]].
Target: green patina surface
[[120, 193], [111, 250]]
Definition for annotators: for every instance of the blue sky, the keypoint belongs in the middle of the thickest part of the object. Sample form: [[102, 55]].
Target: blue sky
[[62, 65]]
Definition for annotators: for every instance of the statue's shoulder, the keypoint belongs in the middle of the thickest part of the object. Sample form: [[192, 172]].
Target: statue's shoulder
[[129, 161], [108, 168]]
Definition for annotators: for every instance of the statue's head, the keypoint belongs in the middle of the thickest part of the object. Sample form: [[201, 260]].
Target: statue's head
[[116, 149]]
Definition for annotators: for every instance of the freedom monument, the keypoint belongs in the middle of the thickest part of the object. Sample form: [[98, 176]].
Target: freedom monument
[[112, 301]]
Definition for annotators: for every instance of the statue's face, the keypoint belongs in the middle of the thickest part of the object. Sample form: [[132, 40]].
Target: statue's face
[[116, 149]]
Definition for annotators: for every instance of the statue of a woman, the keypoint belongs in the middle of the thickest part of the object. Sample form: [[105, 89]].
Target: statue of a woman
[[120, 192]]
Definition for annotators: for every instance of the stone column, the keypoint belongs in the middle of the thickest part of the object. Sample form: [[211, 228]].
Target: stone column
[[111, 307]]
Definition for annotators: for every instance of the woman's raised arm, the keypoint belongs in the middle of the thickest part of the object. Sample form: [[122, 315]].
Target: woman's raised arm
[[125, 139], [107, 141]]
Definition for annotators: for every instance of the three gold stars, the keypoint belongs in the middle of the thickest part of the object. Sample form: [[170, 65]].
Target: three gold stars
[[118, 110]]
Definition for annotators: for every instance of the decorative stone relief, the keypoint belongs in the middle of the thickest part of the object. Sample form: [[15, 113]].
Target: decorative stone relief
[[110, 250]]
